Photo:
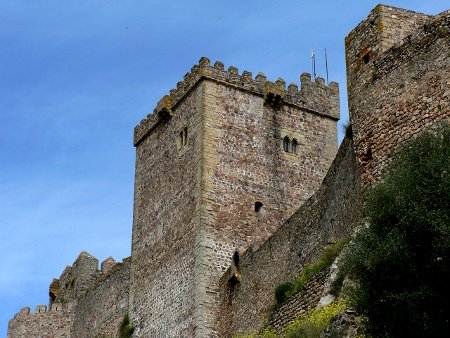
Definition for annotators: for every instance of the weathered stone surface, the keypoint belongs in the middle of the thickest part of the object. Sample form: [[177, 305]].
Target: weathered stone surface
[[195, 199], [331, 213], [401, 87], [344, 324], [300, 303], [215, 225], [100, 311], [84, 302], [52, 324]]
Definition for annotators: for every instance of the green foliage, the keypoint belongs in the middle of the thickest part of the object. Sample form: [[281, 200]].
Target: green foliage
[[314, 323], [282, 291], [348, 130], [400, 263], [265, 333], [126, 329], [306, 326], [329, 254]]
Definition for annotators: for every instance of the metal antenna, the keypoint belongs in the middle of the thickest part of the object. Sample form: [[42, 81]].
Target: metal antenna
[[313, 64], [326, 64]]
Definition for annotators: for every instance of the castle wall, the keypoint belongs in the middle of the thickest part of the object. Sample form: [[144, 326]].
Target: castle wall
[[400, 90], [237, 131], [41, 324], [164, 228], [329, 214], [301, 302], [76, 279], [101, 310], [247, 164]]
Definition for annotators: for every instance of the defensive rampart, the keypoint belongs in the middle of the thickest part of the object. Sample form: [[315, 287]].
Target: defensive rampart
[[84, 302], [247, 288]]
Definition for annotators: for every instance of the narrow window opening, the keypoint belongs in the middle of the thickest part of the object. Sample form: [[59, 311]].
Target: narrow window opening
[[286, 144], [180, 140], [294, 146], [184, 136], [236, 259], [233, 281], [367, 156], [366, 58], [258, 206]]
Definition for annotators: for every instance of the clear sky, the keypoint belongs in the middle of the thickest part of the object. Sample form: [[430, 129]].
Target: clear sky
[[76, 76]]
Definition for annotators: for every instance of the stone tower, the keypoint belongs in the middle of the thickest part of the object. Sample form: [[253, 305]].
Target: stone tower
[[221, 163], [398, 68]]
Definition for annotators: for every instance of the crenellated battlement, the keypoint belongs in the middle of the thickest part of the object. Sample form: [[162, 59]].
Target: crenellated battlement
[[44, 309], [397, 66], [315, 97], [382, 61], [437, 28]]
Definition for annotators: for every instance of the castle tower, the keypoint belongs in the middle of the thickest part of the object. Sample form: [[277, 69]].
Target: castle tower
[[398, 68], [221, 163]]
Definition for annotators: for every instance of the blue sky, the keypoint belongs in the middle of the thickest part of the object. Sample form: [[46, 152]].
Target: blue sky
[[76, 76]]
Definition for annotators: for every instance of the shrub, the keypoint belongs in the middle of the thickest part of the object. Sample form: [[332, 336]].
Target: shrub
[[348, 130], [314, 323], [327, 258], [126, 329], [400, 263], [282, 291]]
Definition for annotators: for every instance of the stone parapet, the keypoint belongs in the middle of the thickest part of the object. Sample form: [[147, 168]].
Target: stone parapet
[[398, 52], [43, 323], [315, 97]]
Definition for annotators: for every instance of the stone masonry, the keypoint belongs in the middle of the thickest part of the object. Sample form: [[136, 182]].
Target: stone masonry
[[247, 289], [238, 185], [398, 76], [213, 177], [84, 302]]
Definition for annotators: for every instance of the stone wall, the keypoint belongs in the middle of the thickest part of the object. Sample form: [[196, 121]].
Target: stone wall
[[100, 311], [84, 302], [166, 212], [76, 279], [401, 87], [247, 289], [41, 324], [208, 155], [301, 302]]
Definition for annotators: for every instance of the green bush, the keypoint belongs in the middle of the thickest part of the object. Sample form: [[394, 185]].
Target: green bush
[[305, 326], [314, 323], [329, 254], [282, 291], [348, 130], [400, 263], [126, 329]]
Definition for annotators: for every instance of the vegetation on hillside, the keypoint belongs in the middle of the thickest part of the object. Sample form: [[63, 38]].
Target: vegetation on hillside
[[400, 263], [329, 254], [310, 325]]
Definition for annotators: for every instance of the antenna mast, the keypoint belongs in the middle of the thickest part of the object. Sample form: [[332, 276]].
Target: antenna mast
[[326, 64], [313, 64]]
